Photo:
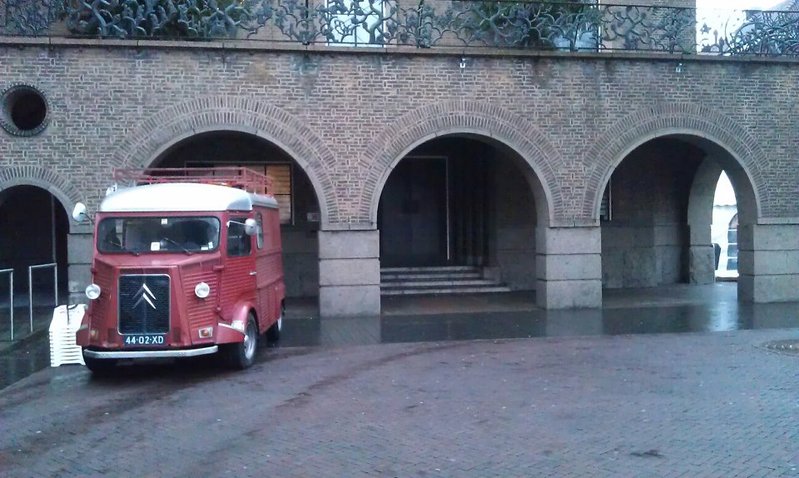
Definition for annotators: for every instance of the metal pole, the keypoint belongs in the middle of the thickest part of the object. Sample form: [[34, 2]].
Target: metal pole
[[10, 296], [52, 227], [52, 242], [30, 297], [447, 207], [30, 288]]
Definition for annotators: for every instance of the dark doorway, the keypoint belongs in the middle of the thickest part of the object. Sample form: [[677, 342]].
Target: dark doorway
[[435, 209], [413, 214], [457, 215], [34, 233]]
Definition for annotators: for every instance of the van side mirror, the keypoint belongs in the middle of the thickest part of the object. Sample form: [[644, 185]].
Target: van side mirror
[[79, 212], [250, 227]]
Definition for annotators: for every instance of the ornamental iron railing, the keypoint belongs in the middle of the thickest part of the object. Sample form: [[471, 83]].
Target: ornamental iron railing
[[573, 26]]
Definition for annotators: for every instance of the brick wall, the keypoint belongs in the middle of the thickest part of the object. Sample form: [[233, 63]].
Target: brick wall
[[348, 117]]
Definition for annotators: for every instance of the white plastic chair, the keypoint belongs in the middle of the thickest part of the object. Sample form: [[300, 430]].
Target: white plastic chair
[[66, 321]]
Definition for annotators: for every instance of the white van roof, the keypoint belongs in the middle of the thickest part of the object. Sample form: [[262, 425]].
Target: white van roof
[[183, 197]]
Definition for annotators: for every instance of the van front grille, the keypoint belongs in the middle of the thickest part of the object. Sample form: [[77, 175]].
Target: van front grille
[[144, 304]]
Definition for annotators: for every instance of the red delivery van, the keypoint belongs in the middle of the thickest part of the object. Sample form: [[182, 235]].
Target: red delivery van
[[187, 262]]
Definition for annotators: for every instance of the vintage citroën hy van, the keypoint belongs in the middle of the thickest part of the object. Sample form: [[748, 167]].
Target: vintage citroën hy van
[[186, 263]]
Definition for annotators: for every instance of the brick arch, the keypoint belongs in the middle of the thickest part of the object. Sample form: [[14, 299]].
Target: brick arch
[[692, 120], [47, 179], [461, 117], [172, 125]]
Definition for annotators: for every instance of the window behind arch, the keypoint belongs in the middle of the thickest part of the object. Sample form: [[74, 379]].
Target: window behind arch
[[281, 176]]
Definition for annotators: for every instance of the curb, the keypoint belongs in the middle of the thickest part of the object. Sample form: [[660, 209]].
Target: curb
[[11, 347]]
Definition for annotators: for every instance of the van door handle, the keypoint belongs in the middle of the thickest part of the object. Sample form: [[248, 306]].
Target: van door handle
[[252, 273]]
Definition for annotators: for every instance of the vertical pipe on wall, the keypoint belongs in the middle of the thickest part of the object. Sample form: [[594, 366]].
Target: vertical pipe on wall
[[447, 206], [52, 229]]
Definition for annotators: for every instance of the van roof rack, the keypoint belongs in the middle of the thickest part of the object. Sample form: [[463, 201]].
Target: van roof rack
[[238, 177]]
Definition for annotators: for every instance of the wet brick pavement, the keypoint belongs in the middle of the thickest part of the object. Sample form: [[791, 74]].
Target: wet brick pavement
[[661, 405]]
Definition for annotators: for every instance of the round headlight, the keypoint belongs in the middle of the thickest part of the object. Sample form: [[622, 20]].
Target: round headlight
[[93, 291], [202, 290]]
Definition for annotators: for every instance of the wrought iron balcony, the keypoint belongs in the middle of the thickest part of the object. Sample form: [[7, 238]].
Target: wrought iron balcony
[[573, 26]]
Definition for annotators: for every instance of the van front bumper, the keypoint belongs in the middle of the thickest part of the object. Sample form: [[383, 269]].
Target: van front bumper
[[140, 354]]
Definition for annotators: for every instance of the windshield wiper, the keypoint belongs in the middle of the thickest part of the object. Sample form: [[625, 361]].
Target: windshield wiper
[[173, 242], [130, 251], [116, 246]]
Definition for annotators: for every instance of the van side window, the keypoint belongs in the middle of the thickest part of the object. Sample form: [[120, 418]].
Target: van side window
[[238, 243], [260, 234]]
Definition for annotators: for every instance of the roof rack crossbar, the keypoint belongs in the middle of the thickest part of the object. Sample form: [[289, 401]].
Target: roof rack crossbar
[[232, 176]]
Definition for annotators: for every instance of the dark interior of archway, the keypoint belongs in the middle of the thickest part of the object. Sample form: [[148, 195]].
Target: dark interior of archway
[[459, 201], [221, 146], [645, 238], [26, 239], [301, 218]]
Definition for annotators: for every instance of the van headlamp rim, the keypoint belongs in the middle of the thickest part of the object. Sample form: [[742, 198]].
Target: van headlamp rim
[[93, 291], [202, 290]]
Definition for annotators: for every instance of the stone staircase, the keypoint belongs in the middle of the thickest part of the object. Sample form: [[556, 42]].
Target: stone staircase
[[436, 280]]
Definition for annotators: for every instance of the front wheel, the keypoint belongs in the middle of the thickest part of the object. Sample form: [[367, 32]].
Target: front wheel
[[100, 366], [242, 355]]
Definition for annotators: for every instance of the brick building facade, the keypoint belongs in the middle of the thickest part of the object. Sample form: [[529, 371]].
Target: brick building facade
[[544, 134]]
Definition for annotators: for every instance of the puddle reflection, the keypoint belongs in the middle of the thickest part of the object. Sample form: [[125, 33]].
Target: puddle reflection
[[538, 323], [310, 331]]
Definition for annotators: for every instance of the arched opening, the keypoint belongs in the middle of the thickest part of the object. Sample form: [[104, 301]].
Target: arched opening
[[299, 206], [656, 217], [458, 215], [34, 234]]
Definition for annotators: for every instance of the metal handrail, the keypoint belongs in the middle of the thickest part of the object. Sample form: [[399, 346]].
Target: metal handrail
[[10, 296], [30, 287]]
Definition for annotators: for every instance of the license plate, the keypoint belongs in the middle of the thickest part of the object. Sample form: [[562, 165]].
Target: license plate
[[139, 340]]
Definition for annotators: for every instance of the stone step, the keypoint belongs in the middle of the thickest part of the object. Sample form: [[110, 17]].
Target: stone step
[[430, 273], [437, 283], [440, 291], [384, 277], [431, 269]]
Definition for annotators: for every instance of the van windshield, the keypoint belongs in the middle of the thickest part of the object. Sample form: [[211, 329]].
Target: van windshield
[[158, 234]]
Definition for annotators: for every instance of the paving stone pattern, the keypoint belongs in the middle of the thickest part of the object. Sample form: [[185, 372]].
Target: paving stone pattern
[[693, 405]]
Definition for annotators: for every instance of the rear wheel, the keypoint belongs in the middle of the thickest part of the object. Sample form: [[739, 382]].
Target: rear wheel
[[273, 332], [242, 355]]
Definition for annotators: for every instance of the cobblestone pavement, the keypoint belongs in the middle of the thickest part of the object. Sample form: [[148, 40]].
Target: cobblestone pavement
[[662, 405]]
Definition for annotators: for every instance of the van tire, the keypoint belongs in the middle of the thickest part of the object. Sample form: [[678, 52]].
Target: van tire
[[273, 332], [100, 366], [241, 355]]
